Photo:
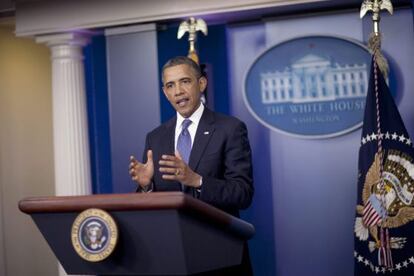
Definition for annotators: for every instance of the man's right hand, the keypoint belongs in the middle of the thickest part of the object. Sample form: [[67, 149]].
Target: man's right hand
[[142, 173]]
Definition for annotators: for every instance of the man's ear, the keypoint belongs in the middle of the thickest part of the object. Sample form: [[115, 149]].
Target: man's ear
[[202, 82], [165, 93]]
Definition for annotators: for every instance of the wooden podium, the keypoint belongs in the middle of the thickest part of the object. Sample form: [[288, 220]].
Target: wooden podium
[[159, 233]]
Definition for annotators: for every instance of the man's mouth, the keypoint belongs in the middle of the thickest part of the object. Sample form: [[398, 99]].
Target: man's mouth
[[182, 102]]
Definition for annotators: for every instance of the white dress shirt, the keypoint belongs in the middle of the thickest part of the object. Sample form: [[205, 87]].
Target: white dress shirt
[[192, 128]]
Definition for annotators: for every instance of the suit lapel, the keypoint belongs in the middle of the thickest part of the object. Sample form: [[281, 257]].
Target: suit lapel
[[168, 145], [202, 138]]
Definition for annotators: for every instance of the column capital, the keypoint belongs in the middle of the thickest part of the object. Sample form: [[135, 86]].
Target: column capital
[[70, 38]]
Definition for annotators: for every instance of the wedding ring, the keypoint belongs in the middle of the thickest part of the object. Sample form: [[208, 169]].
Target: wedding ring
[[177, 172]]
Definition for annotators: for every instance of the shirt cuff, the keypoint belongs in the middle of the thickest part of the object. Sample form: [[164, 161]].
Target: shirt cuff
[[201, 183], [145, 189]]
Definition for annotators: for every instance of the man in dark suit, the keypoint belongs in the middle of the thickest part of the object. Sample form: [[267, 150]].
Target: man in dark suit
[[201, 152]]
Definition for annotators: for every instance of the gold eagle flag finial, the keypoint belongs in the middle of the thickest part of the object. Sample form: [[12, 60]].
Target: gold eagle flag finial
[[374, 42], [376, 6], [192, 26]]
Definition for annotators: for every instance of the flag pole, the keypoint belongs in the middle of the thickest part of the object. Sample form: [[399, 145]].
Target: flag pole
[[374, 45]]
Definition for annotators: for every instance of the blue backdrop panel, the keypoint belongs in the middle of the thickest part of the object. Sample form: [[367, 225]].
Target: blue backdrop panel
[[98, 117], [244, 44], [316, 206], [134, 107]]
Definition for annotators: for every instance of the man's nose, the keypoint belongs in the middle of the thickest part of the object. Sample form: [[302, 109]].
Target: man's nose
[[178, 90]]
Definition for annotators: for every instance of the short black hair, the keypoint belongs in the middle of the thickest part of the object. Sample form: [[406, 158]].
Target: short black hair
[[179, 60]]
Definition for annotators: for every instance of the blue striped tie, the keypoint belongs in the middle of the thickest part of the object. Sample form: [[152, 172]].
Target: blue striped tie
[[184, 141]]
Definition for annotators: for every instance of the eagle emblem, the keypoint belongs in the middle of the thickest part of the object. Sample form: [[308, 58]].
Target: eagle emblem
[[375, 6], [387, 198]]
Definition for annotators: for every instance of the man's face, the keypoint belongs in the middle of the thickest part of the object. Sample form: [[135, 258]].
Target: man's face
[[183, 89]]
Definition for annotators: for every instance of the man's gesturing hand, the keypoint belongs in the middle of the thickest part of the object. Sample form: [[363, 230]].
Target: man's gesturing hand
[[173, 167], [142, 173]]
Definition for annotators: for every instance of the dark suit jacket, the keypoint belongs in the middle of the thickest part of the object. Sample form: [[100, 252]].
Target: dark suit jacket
[[220, 154]]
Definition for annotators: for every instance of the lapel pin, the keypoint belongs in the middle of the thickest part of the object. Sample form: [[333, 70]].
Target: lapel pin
[[206, 133]]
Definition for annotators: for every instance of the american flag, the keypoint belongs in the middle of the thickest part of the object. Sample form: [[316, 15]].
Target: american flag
[[374, 212], [384, 226]]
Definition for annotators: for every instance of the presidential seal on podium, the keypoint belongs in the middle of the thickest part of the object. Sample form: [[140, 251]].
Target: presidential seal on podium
[[94, 235]]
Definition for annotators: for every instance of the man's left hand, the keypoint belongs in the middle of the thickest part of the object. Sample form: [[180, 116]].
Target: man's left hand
[[174, 168]]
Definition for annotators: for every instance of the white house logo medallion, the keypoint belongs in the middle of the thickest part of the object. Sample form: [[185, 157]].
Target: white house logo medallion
[[310, 87], [94, 235]]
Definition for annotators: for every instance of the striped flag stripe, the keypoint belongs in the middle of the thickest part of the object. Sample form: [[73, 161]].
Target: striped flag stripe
[[370, 215]]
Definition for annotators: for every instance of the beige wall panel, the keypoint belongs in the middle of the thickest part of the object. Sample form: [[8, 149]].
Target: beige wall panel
[[26, 151]]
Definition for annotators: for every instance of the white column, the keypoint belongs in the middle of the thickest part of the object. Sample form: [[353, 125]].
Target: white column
[[70, 126]]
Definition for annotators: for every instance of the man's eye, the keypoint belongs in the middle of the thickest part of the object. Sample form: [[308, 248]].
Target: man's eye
[[169, 86], [186, 81]]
